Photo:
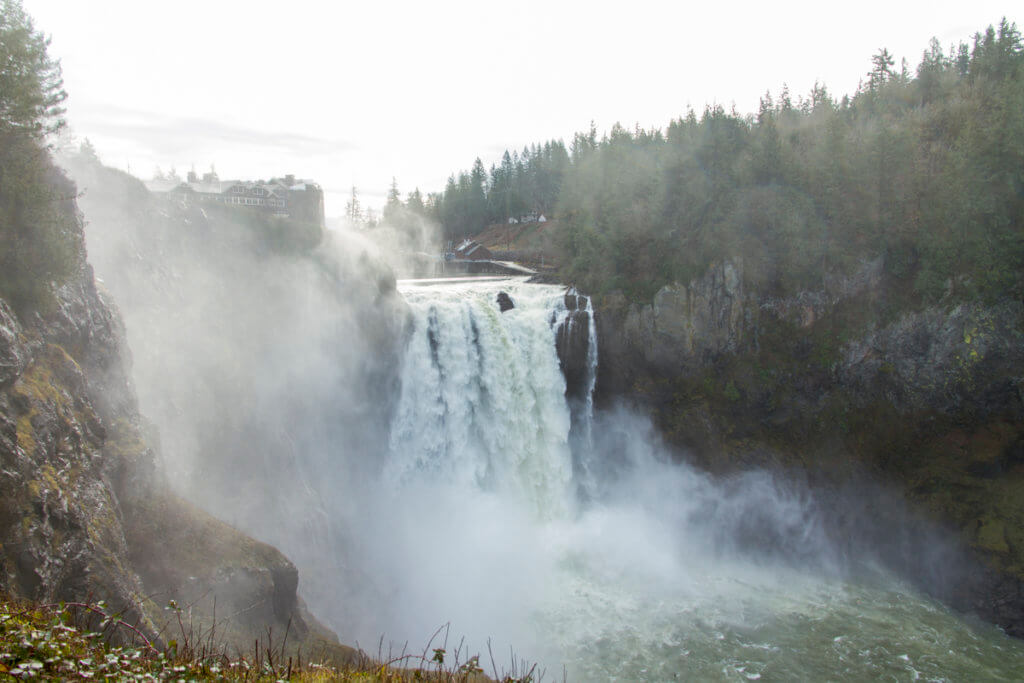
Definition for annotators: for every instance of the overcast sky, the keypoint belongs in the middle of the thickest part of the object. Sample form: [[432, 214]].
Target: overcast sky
[[353, 93]]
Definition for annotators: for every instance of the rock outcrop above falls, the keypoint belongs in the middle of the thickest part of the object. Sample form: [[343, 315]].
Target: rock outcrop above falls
[[572, 342]]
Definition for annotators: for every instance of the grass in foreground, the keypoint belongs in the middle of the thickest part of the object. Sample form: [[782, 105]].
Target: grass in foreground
[[83, 641]]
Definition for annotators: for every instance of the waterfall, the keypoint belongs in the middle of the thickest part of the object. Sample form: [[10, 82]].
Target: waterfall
[[483, 396]]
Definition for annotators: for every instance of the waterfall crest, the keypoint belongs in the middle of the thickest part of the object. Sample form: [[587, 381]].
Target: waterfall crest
[[483, 399]]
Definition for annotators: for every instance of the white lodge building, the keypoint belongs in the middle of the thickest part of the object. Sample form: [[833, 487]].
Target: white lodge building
[[290, 197]]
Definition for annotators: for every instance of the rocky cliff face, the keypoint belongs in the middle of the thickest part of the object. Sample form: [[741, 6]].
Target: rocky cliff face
[[683, 328], [853, 380], [86, 513], [572, 342], [63, 523]]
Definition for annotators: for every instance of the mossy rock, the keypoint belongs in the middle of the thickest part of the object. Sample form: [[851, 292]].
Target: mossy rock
[[991, 536]]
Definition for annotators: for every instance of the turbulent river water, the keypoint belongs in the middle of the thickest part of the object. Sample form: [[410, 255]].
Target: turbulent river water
[[596, 555]]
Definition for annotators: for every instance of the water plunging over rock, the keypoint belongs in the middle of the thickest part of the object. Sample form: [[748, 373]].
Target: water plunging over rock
[[505, 302]]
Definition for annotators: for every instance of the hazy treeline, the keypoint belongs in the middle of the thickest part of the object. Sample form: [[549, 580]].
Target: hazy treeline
[[524, 185], [924, 166]]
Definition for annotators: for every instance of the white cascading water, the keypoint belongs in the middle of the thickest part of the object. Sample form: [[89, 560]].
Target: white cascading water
[[482, 401], [475, 520]]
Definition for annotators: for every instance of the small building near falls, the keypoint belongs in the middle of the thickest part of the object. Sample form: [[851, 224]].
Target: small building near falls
[[473, 251]]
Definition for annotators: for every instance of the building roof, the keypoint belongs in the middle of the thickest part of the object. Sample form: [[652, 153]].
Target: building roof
[[162, 184], [215, 187], [469, 247], [275, 187]]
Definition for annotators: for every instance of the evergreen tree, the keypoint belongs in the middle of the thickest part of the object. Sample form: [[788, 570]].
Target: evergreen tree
[[40, 242], [881, 70], [393, 207], [353, 211], [31, 87], [414, 203], [930, 71]]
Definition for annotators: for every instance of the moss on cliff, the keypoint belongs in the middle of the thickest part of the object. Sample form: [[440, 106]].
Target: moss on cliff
[[973, 477], [38, 386]]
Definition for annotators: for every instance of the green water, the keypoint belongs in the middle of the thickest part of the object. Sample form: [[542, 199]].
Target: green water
[[772, 625]]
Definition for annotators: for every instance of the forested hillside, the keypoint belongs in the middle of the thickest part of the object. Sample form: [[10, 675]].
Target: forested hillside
[[524, 185], [924, 166]]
